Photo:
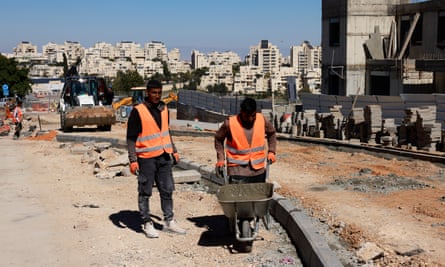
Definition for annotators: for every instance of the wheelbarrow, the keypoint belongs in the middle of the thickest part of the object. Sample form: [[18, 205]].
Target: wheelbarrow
[[244, 205]]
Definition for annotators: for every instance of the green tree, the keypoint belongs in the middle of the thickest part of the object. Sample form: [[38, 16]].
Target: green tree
[[15, 76], [166, 71], [125, 80], [220, 89]]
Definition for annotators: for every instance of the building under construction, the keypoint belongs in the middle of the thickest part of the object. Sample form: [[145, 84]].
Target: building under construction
[[383, 47]]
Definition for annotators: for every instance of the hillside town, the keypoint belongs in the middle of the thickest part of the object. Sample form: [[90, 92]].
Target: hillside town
[[263, 69]]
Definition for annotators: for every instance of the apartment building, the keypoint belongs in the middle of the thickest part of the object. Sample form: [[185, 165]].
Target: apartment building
[[218, 74], [264, 55], [199, 60], [156, 50], [25, 49], [305, 57], [223, 58]]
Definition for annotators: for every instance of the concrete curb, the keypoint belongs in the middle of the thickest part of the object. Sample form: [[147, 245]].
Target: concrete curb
[[311, 247]]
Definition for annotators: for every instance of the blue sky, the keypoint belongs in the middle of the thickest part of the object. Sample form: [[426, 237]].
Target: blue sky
[[204, 25]]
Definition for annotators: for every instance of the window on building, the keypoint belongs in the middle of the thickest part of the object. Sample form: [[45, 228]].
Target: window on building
[[334, 32], [441, 30], [416, 39], [405, 24], [380, 85]]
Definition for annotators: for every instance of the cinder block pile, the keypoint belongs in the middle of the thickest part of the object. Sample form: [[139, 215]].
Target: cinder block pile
[[420, 128], [373, 119], [355, 126], [428, 130], [311, 122], [331, 122]]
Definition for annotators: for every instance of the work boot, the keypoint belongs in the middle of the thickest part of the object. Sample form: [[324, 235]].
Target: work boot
[[173, 227], [150, 230]]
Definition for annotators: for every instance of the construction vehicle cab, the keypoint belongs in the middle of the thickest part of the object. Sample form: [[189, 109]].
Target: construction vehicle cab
[[81, 104]]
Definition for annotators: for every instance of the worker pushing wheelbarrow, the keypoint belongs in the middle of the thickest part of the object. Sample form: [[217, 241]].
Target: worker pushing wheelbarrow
[[243, 160], [244, 205]]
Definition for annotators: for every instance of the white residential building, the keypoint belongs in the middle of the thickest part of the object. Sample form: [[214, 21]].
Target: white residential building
[[305, 57], [265, 55], [199, 60], [25, 49], [218, 74], [73, 51], [248, 79], [223, 58], [156, 50], [53, 52]]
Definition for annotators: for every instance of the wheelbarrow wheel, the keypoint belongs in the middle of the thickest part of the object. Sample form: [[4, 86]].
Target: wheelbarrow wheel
[[246, 230]]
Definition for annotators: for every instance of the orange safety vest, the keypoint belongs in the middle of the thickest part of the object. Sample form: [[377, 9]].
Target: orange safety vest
[[152, 141], [239, 151], [17, 115]]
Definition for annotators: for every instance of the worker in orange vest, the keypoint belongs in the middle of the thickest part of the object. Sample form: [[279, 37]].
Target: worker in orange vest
[[17, 118], [246, 152], [152, 153]]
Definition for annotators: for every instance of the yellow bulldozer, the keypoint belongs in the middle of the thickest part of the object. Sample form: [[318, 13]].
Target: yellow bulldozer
[[123, 106]]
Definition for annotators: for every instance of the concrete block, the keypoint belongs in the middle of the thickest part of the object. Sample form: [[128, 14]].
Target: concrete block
[[186, 176]]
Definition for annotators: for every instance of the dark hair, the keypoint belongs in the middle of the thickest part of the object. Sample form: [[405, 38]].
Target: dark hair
[[248, 105], [153, 84]]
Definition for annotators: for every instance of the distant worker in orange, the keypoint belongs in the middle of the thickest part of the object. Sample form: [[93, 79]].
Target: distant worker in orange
[[244, 136], [17, 118]]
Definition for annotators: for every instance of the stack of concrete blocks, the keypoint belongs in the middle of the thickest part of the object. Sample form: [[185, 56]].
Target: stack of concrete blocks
[[427, 129], [331, 123], [297, 125], [355, 127], [392, 107], [389, 132], [407, 133], [373, 122], [310, 124]]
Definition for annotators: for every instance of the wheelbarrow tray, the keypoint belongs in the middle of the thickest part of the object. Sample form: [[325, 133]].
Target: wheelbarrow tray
[[245, 200]]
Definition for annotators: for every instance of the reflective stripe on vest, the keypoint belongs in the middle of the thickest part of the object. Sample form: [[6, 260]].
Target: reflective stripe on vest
[[153, 141], [17, 115], [239, 151]]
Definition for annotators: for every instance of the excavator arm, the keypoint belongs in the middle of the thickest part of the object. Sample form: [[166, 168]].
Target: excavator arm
[[171, 97], [123, 102]]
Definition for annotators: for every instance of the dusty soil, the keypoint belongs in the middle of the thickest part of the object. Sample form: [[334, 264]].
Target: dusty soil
[[396, 205], [56, 212], [399, 205]]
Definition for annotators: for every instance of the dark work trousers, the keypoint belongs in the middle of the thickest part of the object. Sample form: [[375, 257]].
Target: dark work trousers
[[156, 170], [236, 179], [18, 129]]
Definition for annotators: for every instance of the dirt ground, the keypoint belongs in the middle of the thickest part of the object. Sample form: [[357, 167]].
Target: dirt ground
[[398, 206]]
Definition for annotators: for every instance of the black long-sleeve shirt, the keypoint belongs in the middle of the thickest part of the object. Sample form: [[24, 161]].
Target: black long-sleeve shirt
[[134, 127]]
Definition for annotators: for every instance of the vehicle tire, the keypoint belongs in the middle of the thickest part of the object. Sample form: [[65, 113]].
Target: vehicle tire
[[63, 123], [105, 128]]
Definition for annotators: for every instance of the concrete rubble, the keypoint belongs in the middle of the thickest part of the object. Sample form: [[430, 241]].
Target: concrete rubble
[[109, 162]]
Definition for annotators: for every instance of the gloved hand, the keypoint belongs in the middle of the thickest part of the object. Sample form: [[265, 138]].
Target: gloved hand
[[175, 157], [134, 168], [219, 169], [271, 157]]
